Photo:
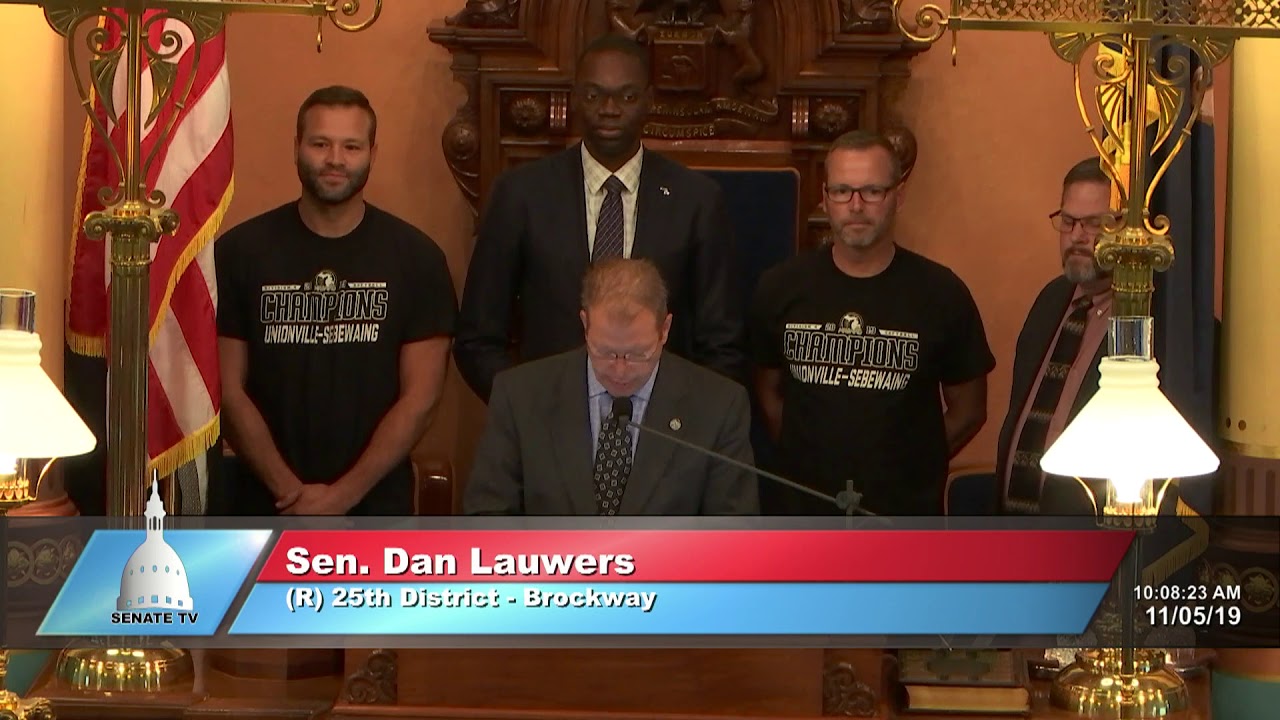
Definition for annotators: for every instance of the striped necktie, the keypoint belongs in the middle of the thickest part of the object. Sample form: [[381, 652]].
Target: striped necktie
[[1025, 477], [608, 242]]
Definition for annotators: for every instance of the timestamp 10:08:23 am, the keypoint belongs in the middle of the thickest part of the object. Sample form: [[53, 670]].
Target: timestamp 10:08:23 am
[[1206, 606]]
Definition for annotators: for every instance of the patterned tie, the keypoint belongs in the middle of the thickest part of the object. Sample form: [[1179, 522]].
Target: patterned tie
[[608, 241], [1026, 477], [613, 464]]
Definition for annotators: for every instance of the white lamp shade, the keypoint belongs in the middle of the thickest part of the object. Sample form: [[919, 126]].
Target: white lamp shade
[[36, 421], [1129, 432]]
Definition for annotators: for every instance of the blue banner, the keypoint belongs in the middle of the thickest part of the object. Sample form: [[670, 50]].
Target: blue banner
[[670, 609]]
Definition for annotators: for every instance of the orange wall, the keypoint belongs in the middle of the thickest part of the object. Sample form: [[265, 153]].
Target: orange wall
[[996, 133]]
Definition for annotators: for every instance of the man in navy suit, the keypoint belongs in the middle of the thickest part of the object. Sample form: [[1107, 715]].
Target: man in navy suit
[[546, 221]]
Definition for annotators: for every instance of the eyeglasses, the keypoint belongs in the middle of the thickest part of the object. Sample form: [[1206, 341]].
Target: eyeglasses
[[628, 358], [870, 194], [1064, 223]]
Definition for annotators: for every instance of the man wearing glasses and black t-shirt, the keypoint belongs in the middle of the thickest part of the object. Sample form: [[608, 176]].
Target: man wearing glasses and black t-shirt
[[858, 344]]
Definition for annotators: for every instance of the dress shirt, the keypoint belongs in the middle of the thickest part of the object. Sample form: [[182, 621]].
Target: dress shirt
[[594, 176], [600, 403]]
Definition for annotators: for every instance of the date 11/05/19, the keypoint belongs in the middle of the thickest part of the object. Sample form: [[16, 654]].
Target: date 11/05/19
[[1193, 616], [1228, 593]]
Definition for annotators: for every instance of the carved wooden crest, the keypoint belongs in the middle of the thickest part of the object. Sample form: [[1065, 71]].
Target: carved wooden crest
[[866, 16], [705, 67], [757, 83], [486, 14]]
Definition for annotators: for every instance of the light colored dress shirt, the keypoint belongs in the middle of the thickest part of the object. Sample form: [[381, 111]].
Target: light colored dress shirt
[[594, 176], [600, 403]]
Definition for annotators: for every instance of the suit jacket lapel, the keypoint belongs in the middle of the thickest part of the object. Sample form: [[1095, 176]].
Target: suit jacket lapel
[[653, 208], [577, 199], [653, 453], [1046, 329], [570, 426]]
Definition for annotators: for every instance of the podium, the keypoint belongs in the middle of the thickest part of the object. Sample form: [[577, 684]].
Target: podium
[[603, 683]]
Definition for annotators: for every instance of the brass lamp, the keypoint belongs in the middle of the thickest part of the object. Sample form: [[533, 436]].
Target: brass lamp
[[1130, 435], [36, 422]]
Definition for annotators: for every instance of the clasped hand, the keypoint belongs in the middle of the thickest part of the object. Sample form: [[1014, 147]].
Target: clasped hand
[[314, 499]]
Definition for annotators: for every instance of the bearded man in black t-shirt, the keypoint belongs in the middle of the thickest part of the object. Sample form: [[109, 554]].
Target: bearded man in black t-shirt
[[334, 325], [858, 344]]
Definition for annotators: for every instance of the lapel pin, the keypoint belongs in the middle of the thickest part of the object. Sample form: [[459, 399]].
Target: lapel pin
[[664, 190], [675, 423]]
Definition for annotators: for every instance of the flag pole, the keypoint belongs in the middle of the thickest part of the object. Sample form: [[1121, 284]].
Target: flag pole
[[134, 217], [133, 225]]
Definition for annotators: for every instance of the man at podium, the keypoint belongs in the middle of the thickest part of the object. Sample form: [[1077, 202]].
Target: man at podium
[[606, 429]]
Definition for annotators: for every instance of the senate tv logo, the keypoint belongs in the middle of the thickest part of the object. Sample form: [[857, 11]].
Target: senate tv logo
[[154, 587]]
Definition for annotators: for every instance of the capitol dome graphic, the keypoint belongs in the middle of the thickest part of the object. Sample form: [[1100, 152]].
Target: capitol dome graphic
[[154, 578]]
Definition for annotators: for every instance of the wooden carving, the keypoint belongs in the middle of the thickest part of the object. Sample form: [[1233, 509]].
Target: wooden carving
[[688, 40], [487, 14], [376, 683], [692, 25], [737, 83], [844, 694], [866, 16]]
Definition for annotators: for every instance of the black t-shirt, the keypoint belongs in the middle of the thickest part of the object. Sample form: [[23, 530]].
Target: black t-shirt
[[325, 319], [863, 361]]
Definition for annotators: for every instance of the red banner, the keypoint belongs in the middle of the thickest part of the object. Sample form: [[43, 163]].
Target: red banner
[[698, 556]]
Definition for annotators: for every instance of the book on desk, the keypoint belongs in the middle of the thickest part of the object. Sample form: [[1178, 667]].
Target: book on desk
[[962, 683]]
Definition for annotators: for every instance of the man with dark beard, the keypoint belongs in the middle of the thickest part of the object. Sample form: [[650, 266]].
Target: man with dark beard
[[334, 326], [1055, 368], [858, 344]]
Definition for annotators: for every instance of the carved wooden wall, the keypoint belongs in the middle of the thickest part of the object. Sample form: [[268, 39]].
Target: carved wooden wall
[[739, 83]]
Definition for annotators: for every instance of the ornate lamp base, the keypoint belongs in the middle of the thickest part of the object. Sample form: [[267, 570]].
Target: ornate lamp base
[[126, 670], [1094, 686], [12, 706]]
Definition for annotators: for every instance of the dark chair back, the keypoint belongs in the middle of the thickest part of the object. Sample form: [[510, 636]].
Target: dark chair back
[[764, 207], [972, 491]]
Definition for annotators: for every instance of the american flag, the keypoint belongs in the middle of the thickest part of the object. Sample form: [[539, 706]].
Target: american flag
[[191, 137]]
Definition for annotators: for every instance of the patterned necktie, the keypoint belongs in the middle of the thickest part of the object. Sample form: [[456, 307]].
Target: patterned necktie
[[1026, 477], [612, 465], [608, 241]]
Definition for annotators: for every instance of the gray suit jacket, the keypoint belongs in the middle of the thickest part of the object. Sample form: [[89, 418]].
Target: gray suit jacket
[[535, 454]]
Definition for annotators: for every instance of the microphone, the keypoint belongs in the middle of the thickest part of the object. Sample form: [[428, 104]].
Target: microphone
[[622, 410], [848, 500]]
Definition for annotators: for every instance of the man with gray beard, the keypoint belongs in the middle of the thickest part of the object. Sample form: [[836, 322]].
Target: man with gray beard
[[1055, 368], [871, 360], [335, 321]]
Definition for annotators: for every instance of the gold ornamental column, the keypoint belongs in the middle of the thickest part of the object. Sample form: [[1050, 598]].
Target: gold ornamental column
[[32, 237], [1246, 683]]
